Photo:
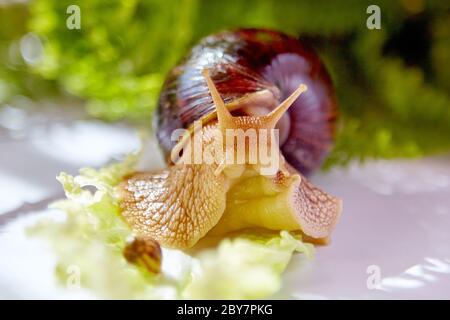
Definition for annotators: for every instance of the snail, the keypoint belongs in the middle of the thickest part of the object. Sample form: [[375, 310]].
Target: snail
[[248, 79]]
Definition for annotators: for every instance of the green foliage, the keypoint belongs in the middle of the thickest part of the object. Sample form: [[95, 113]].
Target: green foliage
[[391, 111], [118, 58], [389, 106], [15, 77]]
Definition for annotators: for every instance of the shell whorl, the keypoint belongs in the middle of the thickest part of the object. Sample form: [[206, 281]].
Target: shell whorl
[[246, 61]]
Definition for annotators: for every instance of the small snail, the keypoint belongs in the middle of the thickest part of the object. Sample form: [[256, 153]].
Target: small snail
[[249, 79]]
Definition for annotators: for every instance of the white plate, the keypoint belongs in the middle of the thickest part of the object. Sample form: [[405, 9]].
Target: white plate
[[393, 239]]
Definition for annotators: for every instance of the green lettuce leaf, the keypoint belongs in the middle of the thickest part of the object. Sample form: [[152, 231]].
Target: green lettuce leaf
[[247, 267], [89, 243]]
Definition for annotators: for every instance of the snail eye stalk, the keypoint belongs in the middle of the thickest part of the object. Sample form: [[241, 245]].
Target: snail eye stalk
[[223, 115], [275, 115]]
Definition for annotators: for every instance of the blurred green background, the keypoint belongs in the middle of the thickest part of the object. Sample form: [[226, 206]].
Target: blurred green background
[[392, 84]]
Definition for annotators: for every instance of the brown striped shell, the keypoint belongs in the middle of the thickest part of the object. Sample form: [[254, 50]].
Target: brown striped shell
[[246, 61]]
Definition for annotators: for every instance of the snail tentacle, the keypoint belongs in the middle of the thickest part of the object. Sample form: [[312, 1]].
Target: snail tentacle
[[275, 115]]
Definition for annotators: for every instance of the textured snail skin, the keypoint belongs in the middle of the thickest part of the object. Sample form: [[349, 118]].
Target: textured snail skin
[[246, 61]]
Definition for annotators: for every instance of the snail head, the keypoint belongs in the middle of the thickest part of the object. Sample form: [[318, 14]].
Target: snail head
[[252, 138]]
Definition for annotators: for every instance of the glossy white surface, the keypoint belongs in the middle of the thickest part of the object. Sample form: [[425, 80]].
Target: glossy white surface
[[393, 240]]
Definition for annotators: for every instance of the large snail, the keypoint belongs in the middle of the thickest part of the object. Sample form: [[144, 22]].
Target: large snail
[[249, 79]]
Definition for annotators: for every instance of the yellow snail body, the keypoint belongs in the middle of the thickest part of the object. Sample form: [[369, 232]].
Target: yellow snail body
[[181, 204]]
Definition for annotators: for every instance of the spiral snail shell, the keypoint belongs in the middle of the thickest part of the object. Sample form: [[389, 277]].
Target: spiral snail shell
[[248, 61], [248, 79]]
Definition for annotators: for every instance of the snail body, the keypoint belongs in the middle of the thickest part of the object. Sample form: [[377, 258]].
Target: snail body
[[181, 204]]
